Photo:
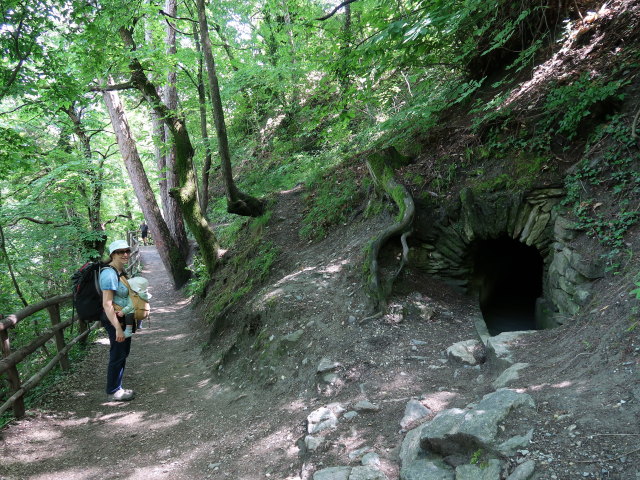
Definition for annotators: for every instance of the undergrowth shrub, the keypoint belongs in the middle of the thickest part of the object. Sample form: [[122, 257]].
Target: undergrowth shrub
[[247, 266], [604, 190], [330, 200], [567, 106]]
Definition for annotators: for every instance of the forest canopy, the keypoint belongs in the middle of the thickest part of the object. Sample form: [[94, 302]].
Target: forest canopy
[[187, 113]]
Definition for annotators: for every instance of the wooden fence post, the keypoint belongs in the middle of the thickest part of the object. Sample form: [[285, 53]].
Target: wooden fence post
[[54, 315], [13, 376], [83, 327]]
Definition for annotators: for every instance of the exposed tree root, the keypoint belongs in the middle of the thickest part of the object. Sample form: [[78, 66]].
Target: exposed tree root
[[381, 167], [245, 205]]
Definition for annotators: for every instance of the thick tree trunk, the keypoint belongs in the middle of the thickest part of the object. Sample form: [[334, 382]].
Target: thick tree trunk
[[186, 193], [237, 201], [173, 214], [170, 254]]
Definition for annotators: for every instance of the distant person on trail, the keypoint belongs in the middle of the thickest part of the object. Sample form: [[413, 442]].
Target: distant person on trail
[[115, 298], [144, 232]]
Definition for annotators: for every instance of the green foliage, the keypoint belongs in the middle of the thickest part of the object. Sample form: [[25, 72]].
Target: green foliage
[[567, 106], [613, 165], [199, 279], [330, 199], [247, 267], [525, 171]]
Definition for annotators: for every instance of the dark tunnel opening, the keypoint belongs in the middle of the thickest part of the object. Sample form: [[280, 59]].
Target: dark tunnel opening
[[507, 275]]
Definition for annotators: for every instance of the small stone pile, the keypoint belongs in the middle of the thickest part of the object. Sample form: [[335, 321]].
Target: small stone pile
[[456, 444]]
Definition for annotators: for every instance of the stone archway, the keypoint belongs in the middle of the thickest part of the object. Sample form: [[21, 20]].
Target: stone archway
[[507, 279], [444, 242]]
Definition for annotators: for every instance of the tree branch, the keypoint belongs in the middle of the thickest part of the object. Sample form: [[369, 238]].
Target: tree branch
[[40, 222], [115, 86], [333, 12], [162, 12], [115, 219], [184, 69], [175, 29]]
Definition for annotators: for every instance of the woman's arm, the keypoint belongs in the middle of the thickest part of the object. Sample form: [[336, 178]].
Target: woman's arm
[[107, 304]]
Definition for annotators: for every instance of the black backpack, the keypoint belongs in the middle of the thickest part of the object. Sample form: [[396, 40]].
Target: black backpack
[[87, 295]]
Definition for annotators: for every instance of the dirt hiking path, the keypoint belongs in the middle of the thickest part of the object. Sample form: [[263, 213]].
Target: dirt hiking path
[[247, 419], [169, 430]]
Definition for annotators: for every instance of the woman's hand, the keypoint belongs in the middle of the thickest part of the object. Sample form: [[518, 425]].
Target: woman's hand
[[119, 334], [112, 315]]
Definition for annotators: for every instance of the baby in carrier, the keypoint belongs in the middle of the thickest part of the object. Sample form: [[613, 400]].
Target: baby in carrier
[[137, 308]]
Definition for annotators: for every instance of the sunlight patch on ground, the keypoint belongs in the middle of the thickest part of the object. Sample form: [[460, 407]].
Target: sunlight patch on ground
[[130, 419], [103, 341], [215, 390], [352, 440], [203, 383], [157, 423], [542, 386], [146, 421], [273, 294], [564, 384], [335, 267], [154, 471], [439, 400], [175, 337], [547, 70], [400, 382], [294, 275], [44, 435], [296, 406], [168, 309], [292, 190], [277, 441], [78, 473]]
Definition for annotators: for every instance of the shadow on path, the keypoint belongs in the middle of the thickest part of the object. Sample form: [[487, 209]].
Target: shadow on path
[[163, 433]]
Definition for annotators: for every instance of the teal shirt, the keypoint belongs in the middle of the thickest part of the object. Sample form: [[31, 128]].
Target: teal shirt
[[109, 281]]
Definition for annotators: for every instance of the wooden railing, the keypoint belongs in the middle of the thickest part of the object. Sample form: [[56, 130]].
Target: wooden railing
[[133, 267], [10, 360]]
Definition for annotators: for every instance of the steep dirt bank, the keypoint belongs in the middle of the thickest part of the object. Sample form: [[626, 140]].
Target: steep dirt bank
[[583, 377]]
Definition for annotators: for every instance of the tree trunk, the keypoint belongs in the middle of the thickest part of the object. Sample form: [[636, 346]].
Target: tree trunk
[[202, 105], [345, 82], [186, 193], [159, 140], [173, 214], [237, 201], [95, 175], [10, 268], [170, 254]]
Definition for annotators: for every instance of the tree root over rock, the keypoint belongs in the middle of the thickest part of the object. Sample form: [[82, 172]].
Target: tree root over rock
[[381, 166]]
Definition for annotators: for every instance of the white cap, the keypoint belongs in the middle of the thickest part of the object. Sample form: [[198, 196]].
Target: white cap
[[118, 245]]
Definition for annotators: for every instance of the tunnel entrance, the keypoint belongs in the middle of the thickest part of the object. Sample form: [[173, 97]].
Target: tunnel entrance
[[507, 276]]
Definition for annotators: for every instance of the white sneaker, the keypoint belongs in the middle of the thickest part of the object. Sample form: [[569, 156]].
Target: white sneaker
[[121, 395]]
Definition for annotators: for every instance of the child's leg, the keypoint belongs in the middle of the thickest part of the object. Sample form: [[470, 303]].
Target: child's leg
[[128, 322]]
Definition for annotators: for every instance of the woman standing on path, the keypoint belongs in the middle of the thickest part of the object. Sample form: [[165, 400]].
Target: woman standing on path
[[115, 296]]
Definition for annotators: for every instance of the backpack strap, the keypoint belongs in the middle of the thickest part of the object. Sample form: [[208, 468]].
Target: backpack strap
[[121, 277]]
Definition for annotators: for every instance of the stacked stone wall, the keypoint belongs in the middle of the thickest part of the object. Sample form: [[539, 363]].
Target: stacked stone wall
[[569, 275], [442, 244]]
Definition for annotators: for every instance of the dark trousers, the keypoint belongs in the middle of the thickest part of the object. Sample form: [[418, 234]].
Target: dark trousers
[[118, 353]]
